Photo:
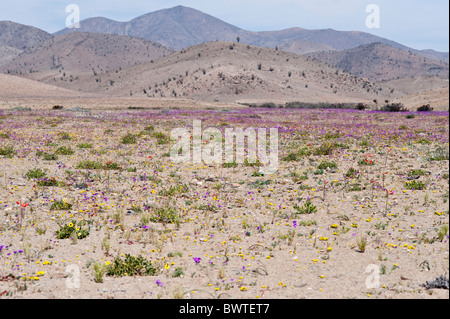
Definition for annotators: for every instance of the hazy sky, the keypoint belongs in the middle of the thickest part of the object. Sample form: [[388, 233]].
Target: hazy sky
[[420, 24]]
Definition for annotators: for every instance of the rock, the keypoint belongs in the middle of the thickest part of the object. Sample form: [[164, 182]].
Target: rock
[[59, 275]]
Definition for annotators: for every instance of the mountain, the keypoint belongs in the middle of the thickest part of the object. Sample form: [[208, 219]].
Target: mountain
[[377, 62], [181, 27], [21, 36], [15, 38], [226, 71], [84, 52]]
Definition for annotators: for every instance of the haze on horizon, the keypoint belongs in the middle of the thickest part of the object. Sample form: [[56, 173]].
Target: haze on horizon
[[415, 23]]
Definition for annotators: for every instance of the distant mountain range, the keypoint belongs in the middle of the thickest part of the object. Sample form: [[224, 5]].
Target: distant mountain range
[[181, 27], [182, 52]]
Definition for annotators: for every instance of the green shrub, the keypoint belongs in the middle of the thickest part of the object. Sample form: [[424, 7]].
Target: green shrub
[[129, 139], [130, 266], [50, 157], [324, 149], [35, 173], [307, 208], [161, 137], [324, 165], [166, 215], [48, 182], [7, 151], [84, 145], [61, 205], [89, 165], [73, 229], [64, 151], [415, 185]]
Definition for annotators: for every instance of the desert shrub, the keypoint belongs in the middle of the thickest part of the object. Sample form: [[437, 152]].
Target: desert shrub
[[166, 215], [161, 137], [394, 107], [73, 229], [57, 107], [35, 173], [351, 172], [415, 185], [89, 165], [325, 165], [307, 208], [61, 205], [324, 149], [84, 145], [112, 166], [360, 107], [48, 182], [63, 150], [7, 151], [64, 136], [131, 266], [129, 139], [425, 108], [50, 157]]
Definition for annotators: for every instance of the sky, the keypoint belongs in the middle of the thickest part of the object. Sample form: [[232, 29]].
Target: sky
[[419, 24]]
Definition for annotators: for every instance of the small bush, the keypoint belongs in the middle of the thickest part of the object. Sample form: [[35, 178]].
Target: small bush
[[394, 107], [89, 165], [415, 185], [324, 149], [166, 215], [129, 139], [161, 137], [35, 173], [7, 151], [64, 136], [72, 229], [50, 157], [324, 165], [61, 205], [48, 182], [307, 208], [130, 266], [84, 145], [64, 151], [425, 108], [112, 166]]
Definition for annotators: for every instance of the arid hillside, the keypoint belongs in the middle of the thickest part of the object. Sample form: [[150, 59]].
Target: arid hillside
[[83, 52], [378, 62], [225, 71]]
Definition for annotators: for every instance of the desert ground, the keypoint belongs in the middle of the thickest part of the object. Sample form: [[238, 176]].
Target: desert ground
[[92, 206]]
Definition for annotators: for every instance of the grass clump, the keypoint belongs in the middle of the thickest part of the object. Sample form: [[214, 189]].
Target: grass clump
[[129, 139], [324, 165], [48, 182], [166, 215], [89, 165], [130, 266], [84, 145], [61, 205], [307, 208], [64, 151], [161, 137], [415, 185], [50, 157], [7, 151], [35, 173], [325, 149]]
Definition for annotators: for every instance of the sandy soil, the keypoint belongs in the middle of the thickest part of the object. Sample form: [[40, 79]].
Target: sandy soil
[[237, 234]]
